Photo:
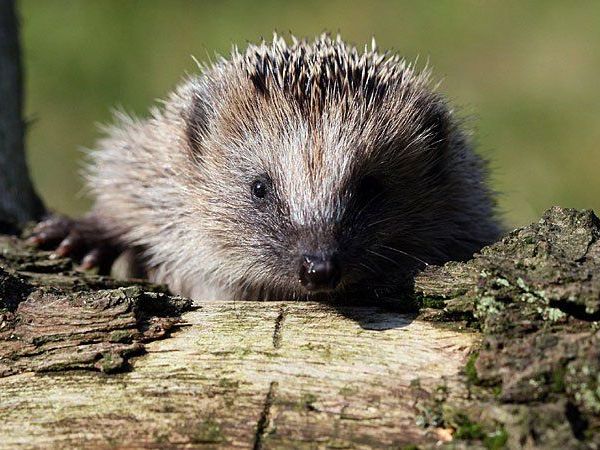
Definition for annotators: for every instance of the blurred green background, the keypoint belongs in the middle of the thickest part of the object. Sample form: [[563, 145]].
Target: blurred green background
[[526, 73]]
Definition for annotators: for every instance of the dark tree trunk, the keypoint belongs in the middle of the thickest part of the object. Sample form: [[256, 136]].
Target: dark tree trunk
[[19, 202]]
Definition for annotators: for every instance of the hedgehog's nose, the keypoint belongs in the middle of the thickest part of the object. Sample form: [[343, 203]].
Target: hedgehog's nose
[[319, 273]]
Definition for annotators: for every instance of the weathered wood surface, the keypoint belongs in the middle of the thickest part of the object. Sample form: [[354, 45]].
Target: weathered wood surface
[[534, 381], [247, 375], [53, 318], [504, 352], [251, 375]]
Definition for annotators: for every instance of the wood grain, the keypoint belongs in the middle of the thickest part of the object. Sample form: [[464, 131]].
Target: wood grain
[[246, 375]]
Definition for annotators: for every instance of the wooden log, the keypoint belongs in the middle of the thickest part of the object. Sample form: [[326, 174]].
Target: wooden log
[[247, 375], [502, 353]]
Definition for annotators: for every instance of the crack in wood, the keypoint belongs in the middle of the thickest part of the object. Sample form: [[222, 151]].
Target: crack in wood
[[277, 337], [265, 415]]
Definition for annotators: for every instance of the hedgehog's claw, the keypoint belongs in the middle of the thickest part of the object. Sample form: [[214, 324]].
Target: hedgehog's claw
[[68, 245], [76, 240], [101, 257], [50, 232]]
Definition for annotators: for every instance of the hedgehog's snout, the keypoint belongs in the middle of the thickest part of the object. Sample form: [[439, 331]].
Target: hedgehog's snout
[[320, 273]]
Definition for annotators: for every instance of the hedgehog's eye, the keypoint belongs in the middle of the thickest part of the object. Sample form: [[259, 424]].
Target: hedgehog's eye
[[260, 188]]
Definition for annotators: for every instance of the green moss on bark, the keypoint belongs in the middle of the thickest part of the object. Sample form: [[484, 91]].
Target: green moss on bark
[[535, 296]]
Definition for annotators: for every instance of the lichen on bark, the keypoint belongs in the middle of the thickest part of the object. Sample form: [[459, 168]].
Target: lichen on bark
[[535, 297], [531, 379]]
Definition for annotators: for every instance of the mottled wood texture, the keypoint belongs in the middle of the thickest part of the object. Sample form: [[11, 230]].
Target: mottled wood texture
[[53, 318], [503, 352], [234, 374], [247, 375]]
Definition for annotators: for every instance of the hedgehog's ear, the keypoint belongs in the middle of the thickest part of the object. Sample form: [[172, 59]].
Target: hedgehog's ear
[[197, 123]]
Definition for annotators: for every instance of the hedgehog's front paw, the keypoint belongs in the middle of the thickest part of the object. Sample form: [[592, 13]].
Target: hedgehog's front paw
[[80, 239]]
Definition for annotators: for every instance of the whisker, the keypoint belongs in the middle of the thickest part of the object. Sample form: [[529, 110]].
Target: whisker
[[383, 257], [406, 254], [377, 222], [369, 268]]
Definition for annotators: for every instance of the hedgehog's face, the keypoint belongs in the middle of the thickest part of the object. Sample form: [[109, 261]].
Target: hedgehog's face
[[321, 168], [313, 208], [310, 252], [315, 229], [315, 218]]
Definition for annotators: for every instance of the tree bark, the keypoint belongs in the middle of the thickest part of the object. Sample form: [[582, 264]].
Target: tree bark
[[19, 202], [504, 352]]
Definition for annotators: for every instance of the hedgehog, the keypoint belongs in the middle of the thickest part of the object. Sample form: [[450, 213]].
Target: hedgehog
[[307, 169]]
